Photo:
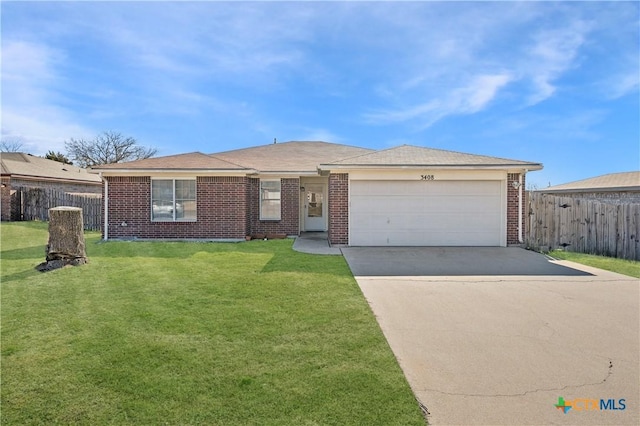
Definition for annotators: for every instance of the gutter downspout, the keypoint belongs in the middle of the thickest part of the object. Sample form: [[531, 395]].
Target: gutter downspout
[[106, 208], [520, 238]]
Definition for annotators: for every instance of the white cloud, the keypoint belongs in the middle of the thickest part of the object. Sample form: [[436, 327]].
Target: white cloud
[[624, 80], [414, 63], [29, 107], [323, 135], [404, 114], [191, 40], [581, 125], [473, 97], [27, 69], [624, 84], [469, 57], [477, 95], [42, 128], [552, 53]]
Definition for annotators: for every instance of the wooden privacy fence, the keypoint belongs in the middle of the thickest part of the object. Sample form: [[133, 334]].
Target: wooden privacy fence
[[34, 204], [608, 228]]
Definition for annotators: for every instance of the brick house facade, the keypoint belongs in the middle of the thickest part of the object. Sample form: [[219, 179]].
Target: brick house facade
[[288, 224], [221, 207], [227, 208], [229, 192]]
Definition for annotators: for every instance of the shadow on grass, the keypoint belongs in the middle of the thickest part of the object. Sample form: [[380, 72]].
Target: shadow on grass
[[22, 275], [299, 262], [31, 252], [177, 249], [282, 257]]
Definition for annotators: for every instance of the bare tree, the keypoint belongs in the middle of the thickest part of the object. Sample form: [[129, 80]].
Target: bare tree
[[11, 144], [107, 148], [57, 156]]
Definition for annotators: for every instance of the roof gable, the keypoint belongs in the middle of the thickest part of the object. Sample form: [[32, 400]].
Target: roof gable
[[29, 166], [409, 155]]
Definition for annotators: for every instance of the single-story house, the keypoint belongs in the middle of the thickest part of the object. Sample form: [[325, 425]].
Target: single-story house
[[23, 171], [402, 196], [618, 187]]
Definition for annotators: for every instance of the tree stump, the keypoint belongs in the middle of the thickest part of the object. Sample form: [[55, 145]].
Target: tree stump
[[66, 239]]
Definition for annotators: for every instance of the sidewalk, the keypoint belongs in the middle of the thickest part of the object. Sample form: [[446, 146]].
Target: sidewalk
[[315, 243]]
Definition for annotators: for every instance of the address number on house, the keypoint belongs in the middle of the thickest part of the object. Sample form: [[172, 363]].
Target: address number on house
[[427, 177]]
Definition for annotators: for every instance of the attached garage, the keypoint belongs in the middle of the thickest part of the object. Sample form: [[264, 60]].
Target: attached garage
[[416, 196], [427, 213]]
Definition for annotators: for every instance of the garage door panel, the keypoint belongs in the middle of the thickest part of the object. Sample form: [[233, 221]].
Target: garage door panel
[[414, 213], [436, 238], [435, 223], [399, 188], [391, 204]]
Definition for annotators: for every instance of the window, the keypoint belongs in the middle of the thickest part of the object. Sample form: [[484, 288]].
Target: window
[[173, 199], [270, 200]]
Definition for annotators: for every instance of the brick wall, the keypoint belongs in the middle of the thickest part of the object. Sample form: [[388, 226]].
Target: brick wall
[[289, 222], [512, 209], [339, 208], [5, 201], [221, 206]]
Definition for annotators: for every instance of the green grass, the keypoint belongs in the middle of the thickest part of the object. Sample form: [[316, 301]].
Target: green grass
[[250, 333], [621, 266]]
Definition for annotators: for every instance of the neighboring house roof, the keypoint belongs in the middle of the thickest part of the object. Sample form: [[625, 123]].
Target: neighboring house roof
[[625, 181], [190, 161], [27, 166], [295, 156], [408, 155]]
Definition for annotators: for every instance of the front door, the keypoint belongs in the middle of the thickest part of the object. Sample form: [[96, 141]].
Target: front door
[[315, 208]]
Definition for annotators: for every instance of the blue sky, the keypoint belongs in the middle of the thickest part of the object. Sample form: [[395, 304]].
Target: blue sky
[[555, 83]]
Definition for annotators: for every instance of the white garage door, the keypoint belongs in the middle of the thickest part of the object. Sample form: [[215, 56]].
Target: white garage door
[[418, 213]]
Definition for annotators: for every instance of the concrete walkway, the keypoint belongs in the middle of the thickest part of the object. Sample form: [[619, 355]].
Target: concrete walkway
[[315, 243], [501, 349]]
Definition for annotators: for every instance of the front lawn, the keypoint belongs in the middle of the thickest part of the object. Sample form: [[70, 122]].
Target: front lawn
[[621, 266], [191, 333]]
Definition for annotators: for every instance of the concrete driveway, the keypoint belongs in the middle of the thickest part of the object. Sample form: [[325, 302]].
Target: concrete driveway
[[492, 336]]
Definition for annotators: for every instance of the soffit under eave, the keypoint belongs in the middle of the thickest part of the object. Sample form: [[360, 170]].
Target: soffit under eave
[[285, 174], [176, 172], [53, 179], [590, 190], [509, 168]]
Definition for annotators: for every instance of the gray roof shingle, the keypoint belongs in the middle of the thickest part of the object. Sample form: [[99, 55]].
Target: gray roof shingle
[[409, 155], [192, 160], [292, 156], [624, 181], [27, 165]]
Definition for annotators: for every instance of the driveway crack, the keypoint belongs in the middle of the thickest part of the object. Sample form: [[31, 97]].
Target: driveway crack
[[609, 373]]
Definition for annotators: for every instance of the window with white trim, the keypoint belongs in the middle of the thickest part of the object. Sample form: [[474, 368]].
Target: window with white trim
[[173, 199], [270, 191]]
